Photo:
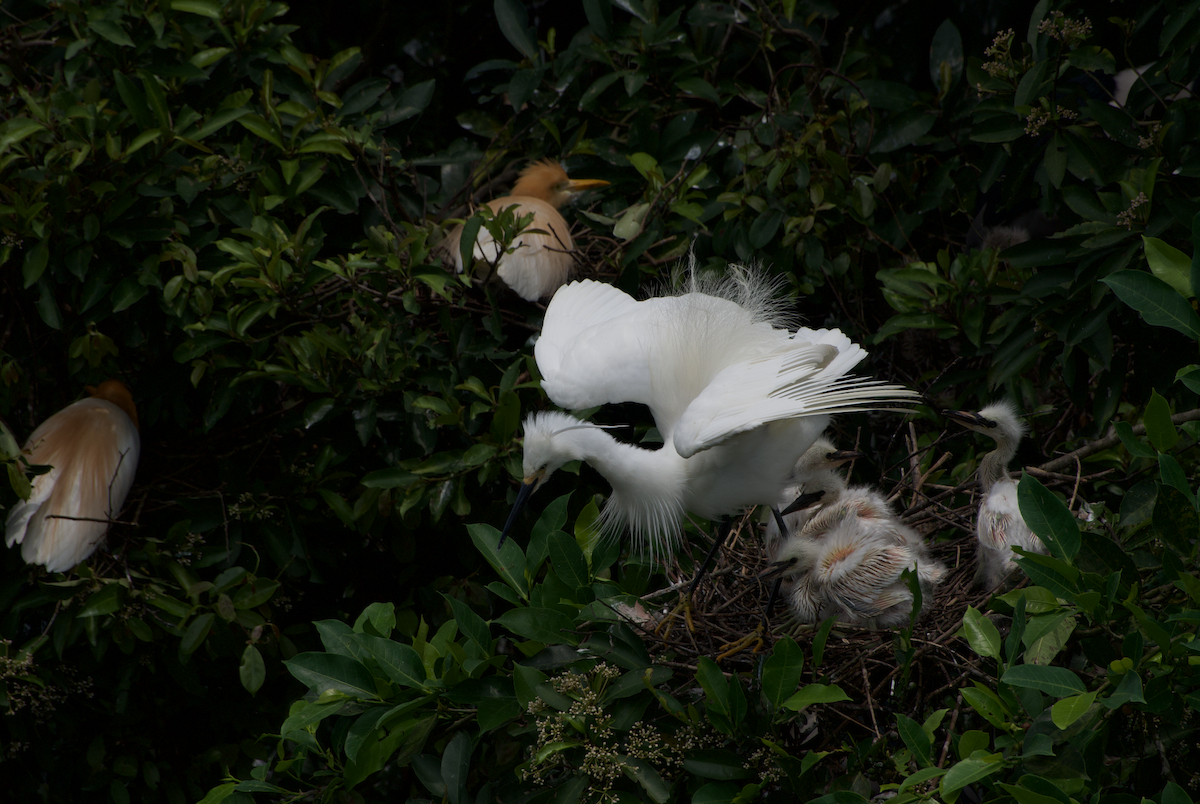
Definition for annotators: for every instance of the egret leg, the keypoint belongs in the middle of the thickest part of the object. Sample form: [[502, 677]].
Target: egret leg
[[685, 603]]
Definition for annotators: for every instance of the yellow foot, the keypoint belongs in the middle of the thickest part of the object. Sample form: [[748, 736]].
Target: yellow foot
[[684, 605], [757, 638]]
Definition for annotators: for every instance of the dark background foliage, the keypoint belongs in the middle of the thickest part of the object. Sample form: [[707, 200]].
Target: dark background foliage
[[233, 208]]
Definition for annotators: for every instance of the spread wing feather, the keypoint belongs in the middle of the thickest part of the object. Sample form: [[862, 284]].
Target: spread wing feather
[[806, 376]]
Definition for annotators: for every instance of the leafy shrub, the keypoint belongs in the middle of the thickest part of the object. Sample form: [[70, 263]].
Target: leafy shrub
[[246, 234]]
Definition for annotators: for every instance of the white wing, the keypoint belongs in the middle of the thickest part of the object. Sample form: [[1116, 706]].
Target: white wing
[[804, 377]]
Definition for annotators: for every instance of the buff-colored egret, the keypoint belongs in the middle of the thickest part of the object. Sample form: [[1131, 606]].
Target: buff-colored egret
[[92, 447], [845, 555], [540, 261], [1000, 526], [736, 397]]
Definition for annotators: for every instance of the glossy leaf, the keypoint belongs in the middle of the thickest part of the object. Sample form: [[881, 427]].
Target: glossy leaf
[[982, 634], [1056, 681], [1158, 303], [1048, 518]]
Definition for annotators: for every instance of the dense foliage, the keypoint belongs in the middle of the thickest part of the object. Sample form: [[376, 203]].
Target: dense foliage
[[246, 234]]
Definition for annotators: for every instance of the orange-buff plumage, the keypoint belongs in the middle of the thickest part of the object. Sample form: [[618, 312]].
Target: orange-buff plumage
[[541, 258], [92, 447]]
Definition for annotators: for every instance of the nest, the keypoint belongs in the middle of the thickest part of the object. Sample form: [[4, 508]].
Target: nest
[[883, 672]]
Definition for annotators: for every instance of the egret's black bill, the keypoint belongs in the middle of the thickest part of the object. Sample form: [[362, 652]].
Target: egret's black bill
[[522, 497], [776, 569], [802, 502], [845, 455], [968, 418]]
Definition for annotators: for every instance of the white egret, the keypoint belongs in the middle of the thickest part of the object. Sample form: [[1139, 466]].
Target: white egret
[[1000, 526], [541, 259], [92, 447], [736, 397], [844, 556]]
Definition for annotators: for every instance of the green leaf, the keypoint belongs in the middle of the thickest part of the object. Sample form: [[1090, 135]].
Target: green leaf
[[763, 230], [1169, 264], [400, 663], [205, 8], [1136, 447], [920, 776], [262, 129], [645, 775], [945, 55], [1174, 794], [539, 624], [472, 626], [1128, 691], [782, 671], [1056, 681], [700, 88], [322, 672], [902, 130], [1157, 302], [982, 634], [987, 703], [35, 262], [1048, 518], [716, 692], [514, 24], [814, 694], [1175, 520], [381, 478], [1159, 427], [16, 130], [456, 764], [252, 671], [105, 601], [570, 564], [1068, 710], [714, 792], [971, 770], [111, 31], [196, 633], [598, 86], [915, 738], [508, 561], [718, 764]]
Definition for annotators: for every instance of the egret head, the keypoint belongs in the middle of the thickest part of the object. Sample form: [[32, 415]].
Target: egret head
[[118, 393], [548, 181], [998, 421], [823, 456], [545, 452]]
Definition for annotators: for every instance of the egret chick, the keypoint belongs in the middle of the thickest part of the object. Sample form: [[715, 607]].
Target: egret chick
[[843, 556], [815, 479], [92, 447], [541, 258], [999, 527], [737, 398], [846, 561]]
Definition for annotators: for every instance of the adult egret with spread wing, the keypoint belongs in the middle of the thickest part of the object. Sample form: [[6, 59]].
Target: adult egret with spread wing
[[736, 396]]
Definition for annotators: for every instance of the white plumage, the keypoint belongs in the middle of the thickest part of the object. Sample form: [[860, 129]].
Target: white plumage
[[93, 448], [845, 555], [1000, 526], [736, 397]]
